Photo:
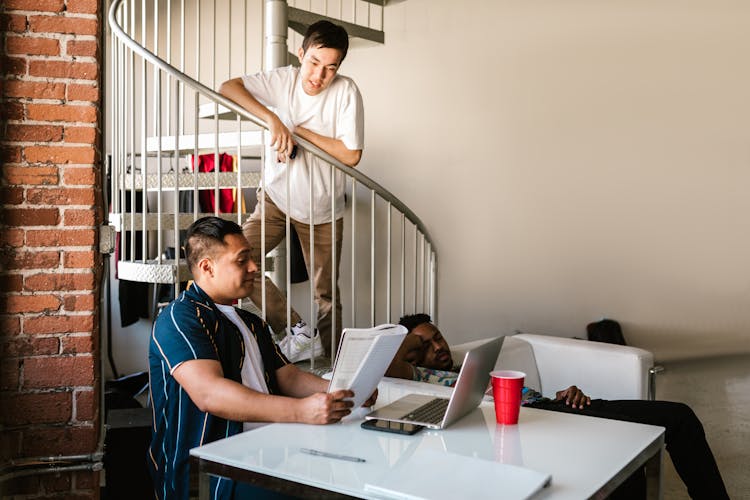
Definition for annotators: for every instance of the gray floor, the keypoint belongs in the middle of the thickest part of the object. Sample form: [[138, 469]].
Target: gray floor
[[718, 390]]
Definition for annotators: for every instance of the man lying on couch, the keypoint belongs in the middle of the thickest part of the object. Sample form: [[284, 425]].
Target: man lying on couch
[[425, 356]]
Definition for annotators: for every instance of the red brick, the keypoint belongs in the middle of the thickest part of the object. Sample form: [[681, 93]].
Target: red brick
[[11, 282], [32, 217], [9, 370], [68, 237], [37, 5], [34, 90], [36, 46], [23, 175], [79, 259], [32, 303], [75, 217], [21, 347], [33, 260], [81, 92], [58, 371], [11, 154], [59, 154], [14, 22], [58, 324], [10, 325], [60, 196], [86, 480], [83, 6], [79, 303], [33, 133], [61, 113], [40, 408], [11, 237], [10, 444], [56, 483], [59, 440], [85, 48], [86, 405], [79, 176], [55, 281], [62, 24], [85, 135], [12, 111], [11, 196], [23, 486], [77, 344], [14, 65], [64, 69]]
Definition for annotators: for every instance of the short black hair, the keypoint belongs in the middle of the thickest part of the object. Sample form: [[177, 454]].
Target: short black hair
[[411, 321], [205, 233], [328, 35]]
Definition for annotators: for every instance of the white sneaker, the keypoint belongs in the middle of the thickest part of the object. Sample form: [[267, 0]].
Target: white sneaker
[[300, 344]]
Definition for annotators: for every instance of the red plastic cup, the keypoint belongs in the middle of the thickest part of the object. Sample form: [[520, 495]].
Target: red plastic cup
[[506, 390]]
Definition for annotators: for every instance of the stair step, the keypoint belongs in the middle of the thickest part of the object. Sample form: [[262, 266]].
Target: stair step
[[300, 20], [154, 271], [250, 141], [207, 111], [123, 221], [187, 181]]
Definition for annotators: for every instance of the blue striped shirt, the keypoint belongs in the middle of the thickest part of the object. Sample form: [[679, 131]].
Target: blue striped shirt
[[192, 327]]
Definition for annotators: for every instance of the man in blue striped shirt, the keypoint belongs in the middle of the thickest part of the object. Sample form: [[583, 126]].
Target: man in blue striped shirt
[[214, 367]]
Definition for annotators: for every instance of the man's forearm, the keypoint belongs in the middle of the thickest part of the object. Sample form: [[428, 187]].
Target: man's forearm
[[333, 147], [299, 383], [234, 89]]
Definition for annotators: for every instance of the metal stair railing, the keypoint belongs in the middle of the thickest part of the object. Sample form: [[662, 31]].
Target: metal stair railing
[[151, 96]]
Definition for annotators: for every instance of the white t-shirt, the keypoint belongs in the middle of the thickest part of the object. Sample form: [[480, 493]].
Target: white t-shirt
[[336, 112], [252, 367]]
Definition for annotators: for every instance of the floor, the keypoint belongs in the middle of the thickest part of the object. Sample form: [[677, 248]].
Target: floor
[[718, 390]]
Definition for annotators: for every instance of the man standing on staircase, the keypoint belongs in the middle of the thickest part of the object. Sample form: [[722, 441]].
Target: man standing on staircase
[[325, 108]]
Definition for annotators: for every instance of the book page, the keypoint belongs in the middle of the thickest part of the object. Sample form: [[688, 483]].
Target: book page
[[363, 358]]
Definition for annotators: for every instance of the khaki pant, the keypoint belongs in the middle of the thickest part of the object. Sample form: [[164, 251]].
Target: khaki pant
[[275, 299]]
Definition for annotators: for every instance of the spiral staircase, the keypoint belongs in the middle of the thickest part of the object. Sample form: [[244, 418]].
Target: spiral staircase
[[166, 59]]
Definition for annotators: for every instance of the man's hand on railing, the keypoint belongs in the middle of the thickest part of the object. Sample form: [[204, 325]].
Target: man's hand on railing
[[281, 138]]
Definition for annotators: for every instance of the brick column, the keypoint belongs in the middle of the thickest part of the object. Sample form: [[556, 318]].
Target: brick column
[[50, 269]]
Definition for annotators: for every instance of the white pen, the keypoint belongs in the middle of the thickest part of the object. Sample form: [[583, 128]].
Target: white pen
[[319, 453]]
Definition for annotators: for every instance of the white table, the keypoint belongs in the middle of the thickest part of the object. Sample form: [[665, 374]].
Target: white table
[[587, 457]]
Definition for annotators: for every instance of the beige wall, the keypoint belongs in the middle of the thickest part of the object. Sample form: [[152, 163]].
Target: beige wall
[[593, 158]]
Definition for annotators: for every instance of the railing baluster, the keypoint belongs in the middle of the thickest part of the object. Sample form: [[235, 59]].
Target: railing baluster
[[157, 132], [354, 253], [388, 266], [334, 267], [372, 257], [403, 264], [313, 312]]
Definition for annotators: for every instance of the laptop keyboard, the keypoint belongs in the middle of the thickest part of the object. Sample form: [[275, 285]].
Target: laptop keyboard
[[431, 412]]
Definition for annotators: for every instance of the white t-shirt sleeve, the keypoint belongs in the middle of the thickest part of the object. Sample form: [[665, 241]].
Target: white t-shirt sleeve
[[269, 88], [351, 123]]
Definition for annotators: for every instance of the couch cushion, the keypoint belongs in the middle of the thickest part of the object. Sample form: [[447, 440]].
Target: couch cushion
[[516, 354]]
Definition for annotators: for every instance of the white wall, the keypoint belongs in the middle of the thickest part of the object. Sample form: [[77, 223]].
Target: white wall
[[591, 157]]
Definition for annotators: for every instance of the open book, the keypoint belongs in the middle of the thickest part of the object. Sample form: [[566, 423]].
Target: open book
[[363, 357]]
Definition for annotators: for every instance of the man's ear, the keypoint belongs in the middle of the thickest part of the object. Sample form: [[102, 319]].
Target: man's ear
[[300, 54], [206, 266]]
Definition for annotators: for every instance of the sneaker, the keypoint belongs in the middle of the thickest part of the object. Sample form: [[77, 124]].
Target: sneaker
[[300, 344]]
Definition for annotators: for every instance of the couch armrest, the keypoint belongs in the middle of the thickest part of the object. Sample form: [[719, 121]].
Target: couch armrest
[[600, 370]]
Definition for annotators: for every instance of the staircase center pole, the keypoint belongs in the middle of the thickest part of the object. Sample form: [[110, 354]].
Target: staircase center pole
[[276, 32]]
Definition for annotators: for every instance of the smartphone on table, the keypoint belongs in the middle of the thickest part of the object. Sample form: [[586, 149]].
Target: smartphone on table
[[388, 426]]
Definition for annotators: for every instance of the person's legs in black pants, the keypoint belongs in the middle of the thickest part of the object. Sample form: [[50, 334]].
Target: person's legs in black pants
[[684, 438]]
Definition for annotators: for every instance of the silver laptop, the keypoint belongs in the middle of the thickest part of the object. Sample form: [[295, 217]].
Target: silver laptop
[[439, 413]]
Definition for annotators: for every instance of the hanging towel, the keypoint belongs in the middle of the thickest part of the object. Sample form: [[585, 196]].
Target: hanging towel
[[206, 196]]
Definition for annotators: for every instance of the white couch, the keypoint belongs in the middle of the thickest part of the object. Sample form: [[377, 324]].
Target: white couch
[[601, 370]]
